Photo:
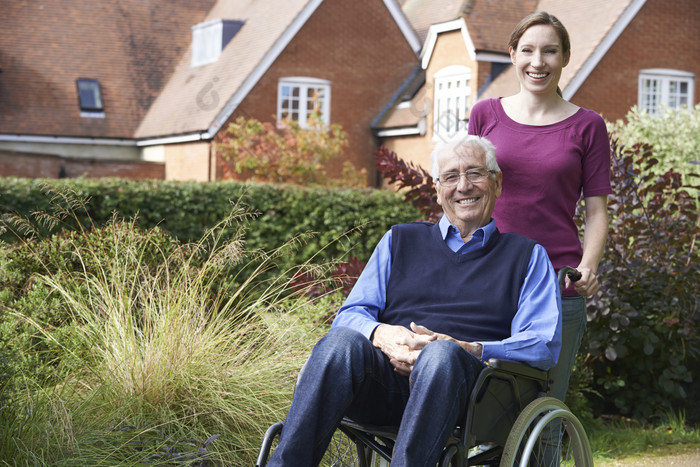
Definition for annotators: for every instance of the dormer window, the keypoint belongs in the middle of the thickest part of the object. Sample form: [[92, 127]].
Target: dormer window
[[90, 98], [210, 38]]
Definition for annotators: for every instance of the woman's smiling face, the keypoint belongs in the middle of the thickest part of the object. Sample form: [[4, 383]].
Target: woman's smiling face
[[539, 59]]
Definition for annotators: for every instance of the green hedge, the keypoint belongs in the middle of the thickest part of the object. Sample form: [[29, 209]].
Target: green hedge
[[187, 209]]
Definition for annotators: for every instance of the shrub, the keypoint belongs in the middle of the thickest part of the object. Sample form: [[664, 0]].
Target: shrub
[[284, 154], [185, 210], [673, 136], [643, 336], [415, 183]]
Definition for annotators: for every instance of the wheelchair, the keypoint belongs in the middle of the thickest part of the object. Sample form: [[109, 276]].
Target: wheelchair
[[510, 421]]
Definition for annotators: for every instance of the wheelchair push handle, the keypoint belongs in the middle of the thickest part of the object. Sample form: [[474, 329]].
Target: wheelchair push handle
[[572, 273]]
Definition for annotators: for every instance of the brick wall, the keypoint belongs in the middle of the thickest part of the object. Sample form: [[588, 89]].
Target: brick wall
[[42, 166], [662, 35], [362, 52]]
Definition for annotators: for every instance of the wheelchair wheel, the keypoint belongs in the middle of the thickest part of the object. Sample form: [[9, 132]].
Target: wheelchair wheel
[[546, 434], [343, 452]]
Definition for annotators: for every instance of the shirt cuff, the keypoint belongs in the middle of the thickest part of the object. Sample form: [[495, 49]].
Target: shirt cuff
[[492, 350]]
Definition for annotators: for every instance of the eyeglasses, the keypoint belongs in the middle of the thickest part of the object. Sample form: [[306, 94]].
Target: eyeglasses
[[473, 175]]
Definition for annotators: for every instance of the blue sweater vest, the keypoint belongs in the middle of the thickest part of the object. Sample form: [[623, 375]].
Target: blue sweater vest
[[471, 297]]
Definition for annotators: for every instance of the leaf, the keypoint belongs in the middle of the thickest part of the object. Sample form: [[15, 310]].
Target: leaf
[[610, 353]]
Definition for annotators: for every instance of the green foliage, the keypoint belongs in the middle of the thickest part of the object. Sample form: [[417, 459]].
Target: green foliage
[[415, 183], [284, 153], [643, 332], [152, 344], [186, 210], [25, 300], [674, 136]]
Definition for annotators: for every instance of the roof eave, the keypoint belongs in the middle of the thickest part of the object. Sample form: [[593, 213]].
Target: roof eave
[[437, 29], [413, 130], [404, 25]]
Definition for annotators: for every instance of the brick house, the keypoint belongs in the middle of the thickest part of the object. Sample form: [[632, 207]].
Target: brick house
[[623, 53], [141, 89]]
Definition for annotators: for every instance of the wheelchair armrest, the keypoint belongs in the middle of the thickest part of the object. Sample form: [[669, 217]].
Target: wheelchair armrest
[[519, 369]]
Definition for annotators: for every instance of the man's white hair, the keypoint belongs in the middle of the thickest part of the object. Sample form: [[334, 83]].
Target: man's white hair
[[460, 140]]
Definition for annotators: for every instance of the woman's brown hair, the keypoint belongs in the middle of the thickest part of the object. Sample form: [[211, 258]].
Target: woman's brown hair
[[535, 19]]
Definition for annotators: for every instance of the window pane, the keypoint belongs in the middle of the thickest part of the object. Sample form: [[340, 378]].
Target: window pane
[[677, 93], [683, 94], [672, 100], [457, 114], [650, 95], [89, 95]]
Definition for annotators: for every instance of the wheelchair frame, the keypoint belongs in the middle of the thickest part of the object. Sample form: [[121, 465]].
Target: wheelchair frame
[[510, 403]]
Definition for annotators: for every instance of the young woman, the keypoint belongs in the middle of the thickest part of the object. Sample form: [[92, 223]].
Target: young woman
[[551, 153]]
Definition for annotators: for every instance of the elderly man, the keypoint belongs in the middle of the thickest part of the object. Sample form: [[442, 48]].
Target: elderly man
[[434, 302]]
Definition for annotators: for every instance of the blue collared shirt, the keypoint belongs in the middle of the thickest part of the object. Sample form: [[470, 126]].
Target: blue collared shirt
[[535, 329]]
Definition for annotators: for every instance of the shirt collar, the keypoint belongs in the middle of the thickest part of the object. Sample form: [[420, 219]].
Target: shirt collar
[[445, 225]]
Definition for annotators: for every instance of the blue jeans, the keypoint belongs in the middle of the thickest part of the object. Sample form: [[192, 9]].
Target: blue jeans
[[347, 375], [573, 327]]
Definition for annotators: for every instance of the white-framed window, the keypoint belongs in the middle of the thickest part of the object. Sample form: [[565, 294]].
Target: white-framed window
[[664, 88], [300, 97], [451, 105]]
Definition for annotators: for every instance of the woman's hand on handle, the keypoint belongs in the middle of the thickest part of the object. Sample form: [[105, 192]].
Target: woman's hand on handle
[[587, 285]]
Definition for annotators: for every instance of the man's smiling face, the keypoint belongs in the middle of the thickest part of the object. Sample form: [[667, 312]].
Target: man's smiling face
[[467, 205]]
